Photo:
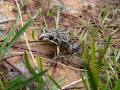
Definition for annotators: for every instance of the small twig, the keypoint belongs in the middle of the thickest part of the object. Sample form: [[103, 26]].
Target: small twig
[[73, 83], [22, 42], [64, 65], [14, 54], [74, 88], [19, 11]]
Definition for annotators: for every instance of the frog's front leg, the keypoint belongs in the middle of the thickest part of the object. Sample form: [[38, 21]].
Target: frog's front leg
[[58, 48]]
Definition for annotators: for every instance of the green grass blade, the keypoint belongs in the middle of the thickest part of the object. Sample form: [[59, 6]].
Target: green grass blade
[[93, 72], [28, 64], [118, 56], [104, 15], [14, 82], [55, 82], [34, 34], [85, 80], [2, 84], [117, 85], [7, 39], [40, 80], [40, 68], [92, 54], [105, 49], [40, 65], [26, 82], [3, 50], [20, 32], [57, 18], [11, 33], [107, 85]]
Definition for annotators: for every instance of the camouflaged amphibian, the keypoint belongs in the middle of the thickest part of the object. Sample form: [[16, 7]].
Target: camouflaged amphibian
[[62, 39]]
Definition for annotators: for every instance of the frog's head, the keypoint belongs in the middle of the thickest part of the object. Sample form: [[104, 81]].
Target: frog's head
[[46, 36]]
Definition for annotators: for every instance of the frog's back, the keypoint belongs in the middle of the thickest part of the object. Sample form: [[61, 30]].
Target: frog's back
[[63, 37]]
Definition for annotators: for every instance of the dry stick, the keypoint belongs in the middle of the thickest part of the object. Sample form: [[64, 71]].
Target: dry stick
[[64, 65], [70, 84], [19, 11], [14, 54], [74, 88]]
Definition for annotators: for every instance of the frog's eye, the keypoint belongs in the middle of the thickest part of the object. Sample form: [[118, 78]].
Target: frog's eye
[[51, 38]]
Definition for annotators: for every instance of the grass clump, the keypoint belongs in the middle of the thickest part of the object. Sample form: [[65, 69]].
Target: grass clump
[[100, 59]]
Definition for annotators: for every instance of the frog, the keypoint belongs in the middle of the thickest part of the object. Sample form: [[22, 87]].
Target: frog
[[63, 40]]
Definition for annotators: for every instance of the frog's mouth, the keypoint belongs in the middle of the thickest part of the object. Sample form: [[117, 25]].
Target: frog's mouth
[[43, 37], [48, 37]]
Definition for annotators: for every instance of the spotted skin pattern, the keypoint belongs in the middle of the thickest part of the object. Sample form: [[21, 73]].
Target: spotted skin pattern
[[62, 39]]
